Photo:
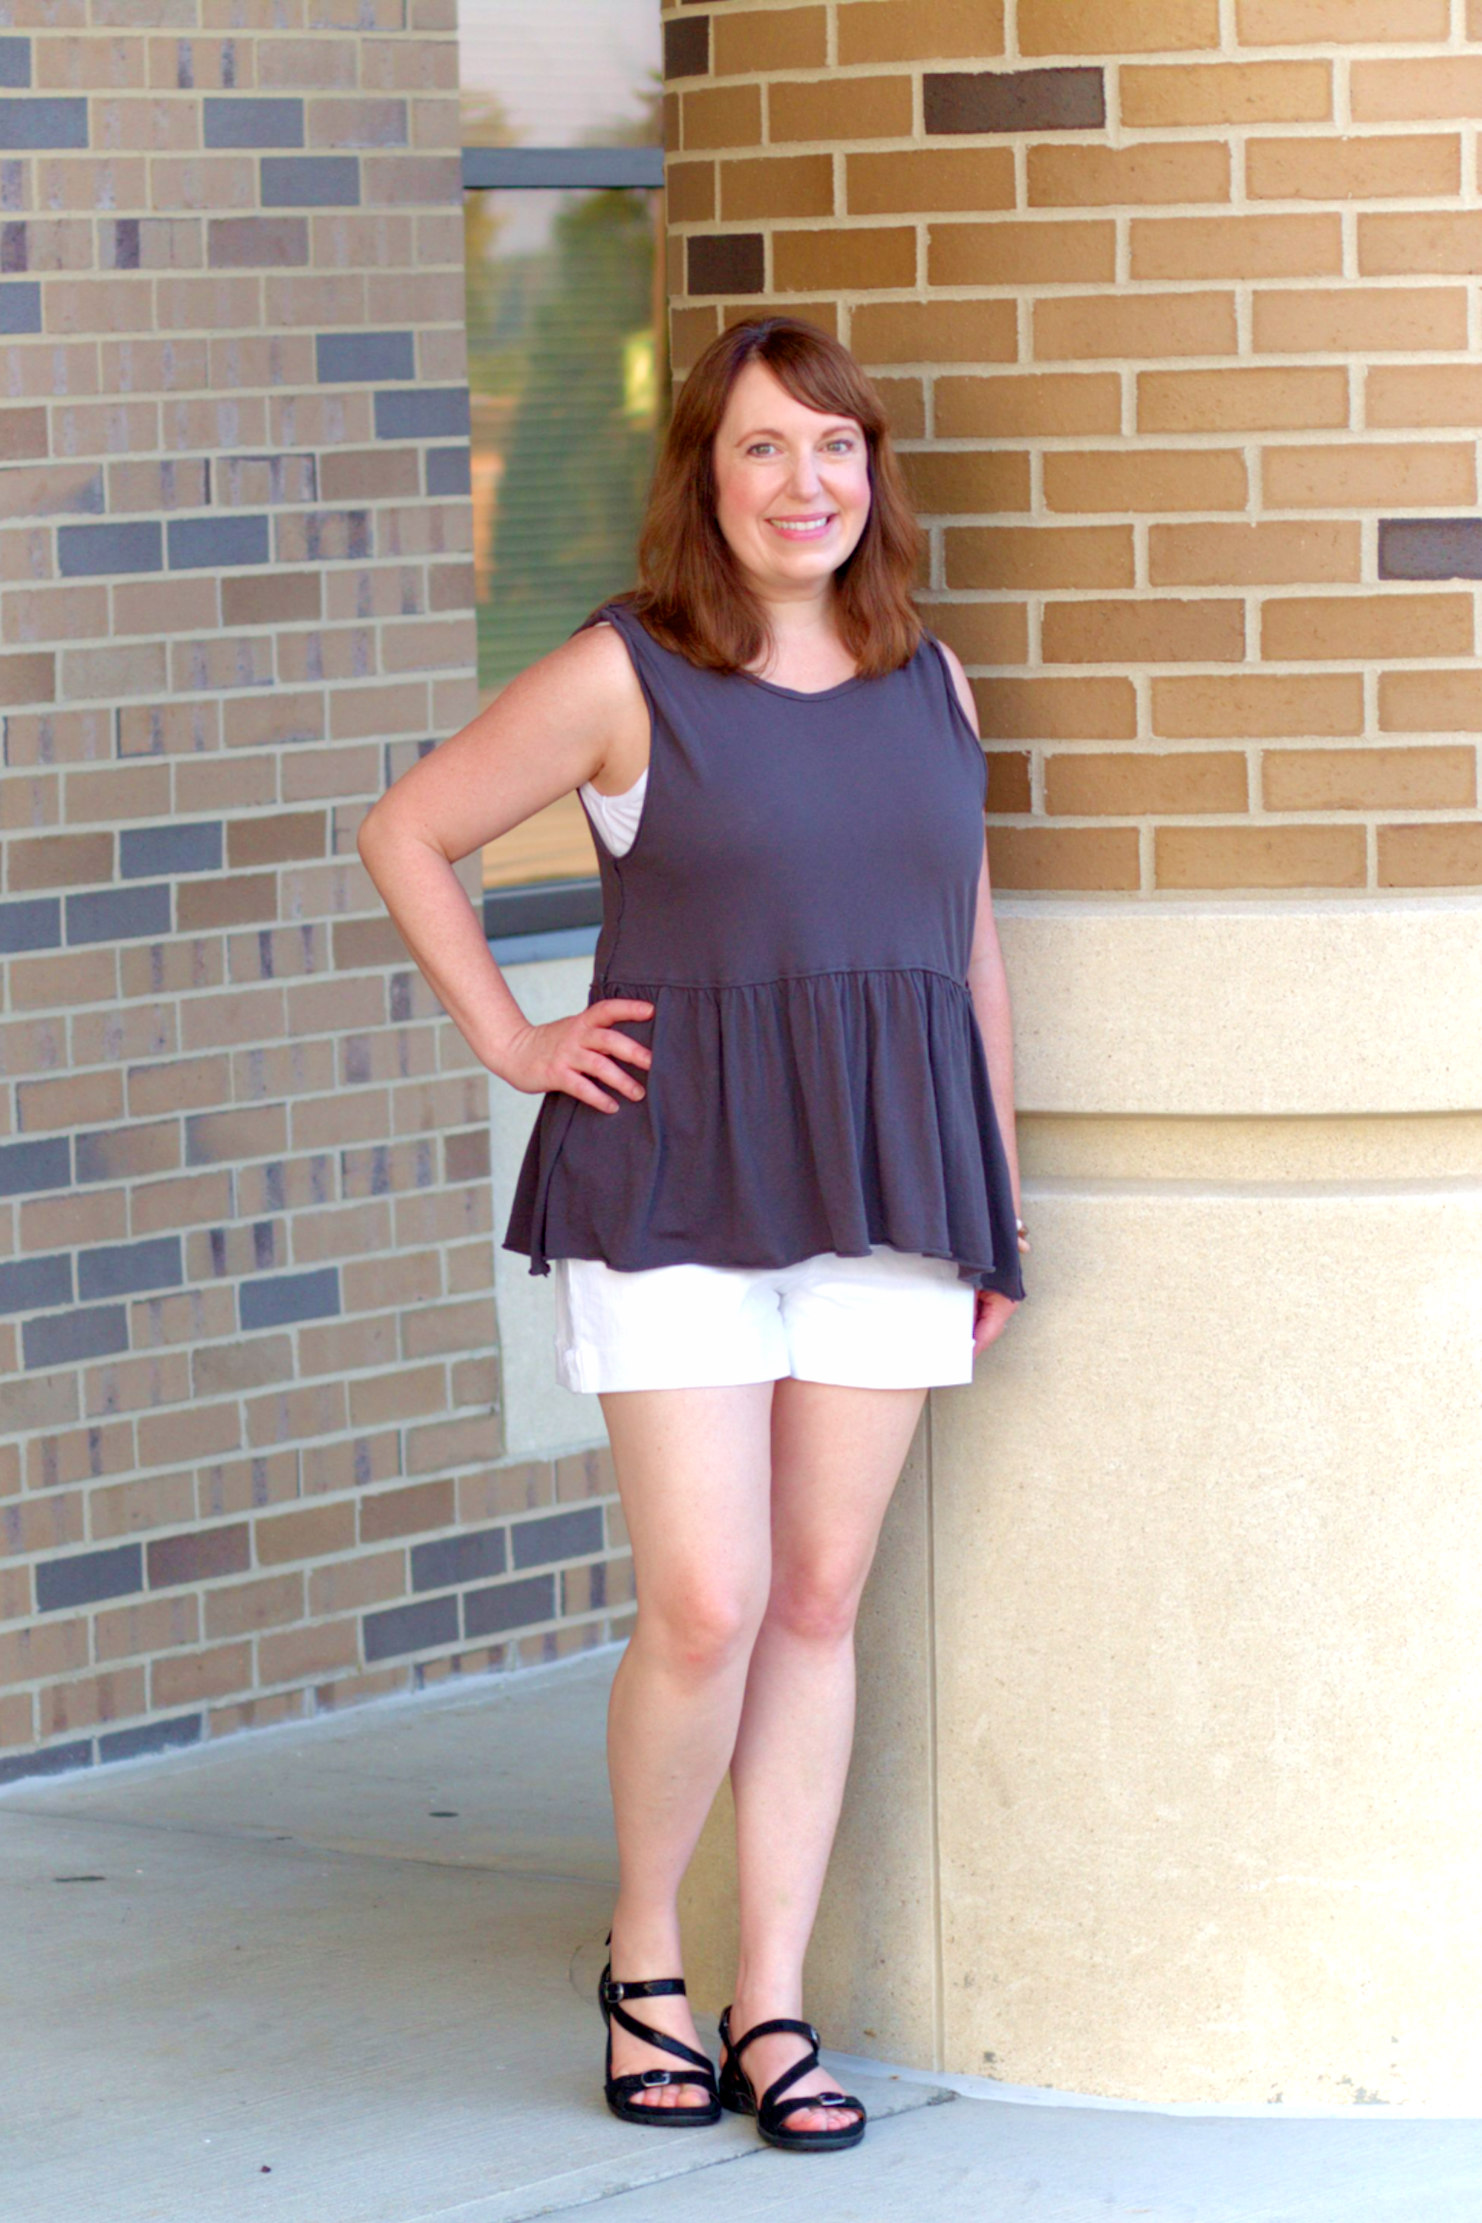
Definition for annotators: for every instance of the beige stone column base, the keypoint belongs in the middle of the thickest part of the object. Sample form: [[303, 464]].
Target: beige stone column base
[[1166, 1781]]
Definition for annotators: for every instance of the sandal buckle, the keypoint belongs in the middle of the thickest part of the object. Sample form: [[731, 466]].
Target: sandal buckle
[[656, 2076], [614, 1991]]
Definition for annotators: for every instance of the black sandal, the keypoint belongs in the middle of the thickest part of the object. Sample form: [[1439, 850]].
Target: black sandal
[[617, 2088], [739, 2094]]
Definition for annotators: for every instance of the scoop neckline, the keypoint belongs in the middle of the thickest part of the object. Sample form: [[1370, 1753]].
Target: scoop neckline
[[805, 694]]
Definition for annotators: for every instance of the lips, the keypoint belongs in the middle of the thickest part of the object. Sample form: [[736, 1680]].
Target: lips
[[802, 528]]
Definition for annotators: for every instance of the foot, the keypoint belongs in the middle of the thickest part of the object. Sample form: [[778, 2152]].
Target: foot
[[765, 2059], [670, 2012]]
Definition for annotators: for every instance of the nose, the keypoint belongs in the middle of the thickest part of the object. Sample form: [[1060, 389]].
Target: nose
[[804, 477]]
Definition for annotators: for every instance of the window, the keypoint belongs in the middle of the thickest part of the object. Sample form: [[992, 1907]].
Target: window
[[563, 173]]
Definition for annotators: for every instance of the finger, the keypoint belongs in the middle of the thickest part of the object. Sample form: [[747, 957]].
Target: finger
[[620, 1007], [586, 1092], [603, 1069], [619, 1045]]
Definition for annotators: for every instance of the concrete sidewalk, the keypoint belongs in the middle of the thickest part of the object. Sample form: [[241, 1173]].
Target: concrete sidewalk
[[345, 1972]]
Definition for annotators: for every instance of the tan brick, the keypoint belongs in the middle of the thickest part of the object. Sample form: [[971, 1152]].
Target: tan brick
[[1369, 779], [1359, 320], [1227, 93], [152, 1625], [690, 333], [1367, 625], [776, 185], [1430, 702], [920, 30], [1170, 170], [1258, 856], [1058, 710], [982, 632], [1423, 394], [689, 189], [1369, 166], [1315, 552], [54, 1646], [1053, 251], [1237, 246], [1431, 241], [1087, 857], [17, 1722], [1081, 327], [1116, 26], [115, 1695], [1145, 631], [406, 1512], [1136, 783], [292, 1655], [860, 259], [1239, 706], [348, 1585], [962, 480], [184, 1679], [1362, 475], [1137, 479], [55, 614], [930, 180], [1029, 557], [1228, 400], [725, 116], [238, 1608], [1444, 856], [836, 107], [905, 406], [1005, 407], [359, 712], [1444, 87], [934, 332], [1340, 22], [760, 39]]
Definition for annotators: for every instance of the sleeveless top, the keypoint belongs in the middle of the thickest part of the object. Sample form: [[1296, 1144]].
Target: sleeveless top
[[798, 907]]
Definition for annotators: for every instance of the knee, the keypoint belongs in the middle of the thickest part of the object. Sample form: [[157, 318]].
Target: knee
[[818, 1604], [705, 1630]]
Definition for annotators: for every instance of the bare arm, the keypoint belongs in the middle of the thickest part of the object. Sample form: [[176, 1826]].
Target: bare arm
[[549, 730]]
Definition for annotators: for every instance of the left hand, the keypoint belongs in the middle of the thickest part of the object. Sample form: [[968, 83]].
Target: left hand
[[992, 1313]]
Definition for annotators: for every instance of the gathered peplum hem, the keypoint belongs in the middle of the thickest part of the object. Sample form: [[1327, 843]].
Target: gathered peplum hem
[[823, 1111]]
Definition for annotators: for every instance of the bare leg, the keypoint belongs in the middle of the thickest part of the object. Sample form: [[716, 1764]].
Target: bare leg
[[836, 1457], [693, 1470]]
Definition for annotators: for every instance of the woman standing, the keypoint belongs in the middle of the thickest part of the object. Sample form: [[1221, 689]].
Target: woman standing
[[774, 1166]]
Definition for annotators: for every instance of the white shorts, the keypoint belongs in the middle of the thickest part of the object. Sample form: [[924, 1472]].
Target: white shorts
[[892, 1320]]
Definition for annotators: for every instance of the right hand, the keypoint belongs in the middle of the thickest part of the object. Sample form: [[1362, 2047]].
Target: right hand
[[574, 1054]]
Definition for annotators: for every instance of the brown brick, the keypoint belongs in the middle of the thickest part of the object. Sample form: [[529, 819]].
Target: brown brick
[[981, 632], [1145, 631], [241, 1607], [59, 861], [198, 1556], [387, 1513], [1005, 407], [270, 598], [1340, 22], [276, 838], [905, 406], [1144, 479], [1429, 241], [1367, 625], [978, 482], [776, 185], [153, 1625], [1360, 475], [1029, 557], [920, 30], [1239, 706], [1228, 400], [1430, 702], [1423, 394], [1445, 87], [934, 332], [1170, 170], [1116, 26], [184, 1678], [1359, 320], [1315, 552], [1298, 246], [1008, 781], [1258, 856], [1227, 93], [1136, 783], [726, 116], [1058, 710], [1053, 251], [929, 180], [115, 1695], [834, 107], [858, 259], [292, 1655], [1369, 166], [760, 39], [1063, 856], [689, 189], [1080, 327], [1369, 779], [1445, 856], [22, 435]]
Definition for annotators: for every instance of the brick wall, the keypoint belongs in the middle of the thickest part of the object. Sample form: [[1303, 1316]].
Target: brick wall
[[250, 1454], [1175, 306]]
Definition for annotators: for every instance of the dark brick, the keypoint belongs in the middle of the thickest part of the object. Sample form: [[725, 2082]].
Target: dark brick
[[118, 1269], [409, 1628], [1430, 547], [509, 1605], [449, 470], [433, 412], [1015, 100], [343, 357], [158, 849], [118, 914], [26, 1167], [31, 1284], [687, 47], [254, 123], [725, 262], [310, 181], [201, 543], [20, 307], [35, 923], [62, 1338], [84, 551], [88, 1576], [150, 1736], [43, 123], [198, 1555], [557, 1536], [15, 61], [125, 243], [58, 1759], [453, 1560], [14, 254], [257, 242], [273, 1300]]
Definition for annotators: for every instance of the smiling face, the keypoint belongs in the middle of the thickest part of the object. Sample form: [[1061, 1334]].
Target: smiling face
[[792, 486]]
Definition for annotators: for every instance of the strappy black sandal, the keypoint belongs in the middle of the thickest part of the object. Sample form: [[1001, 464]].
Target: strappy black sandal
[[617, 2089], [739, 2094]]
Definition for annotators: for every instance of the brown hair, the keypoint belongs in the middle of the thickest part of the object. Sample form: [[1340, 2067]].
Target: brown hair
[[691, 595]]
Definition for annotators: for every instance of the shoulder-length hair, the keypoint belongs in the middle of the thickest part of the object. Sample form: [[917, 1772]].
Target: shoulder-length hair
[[691, 595]]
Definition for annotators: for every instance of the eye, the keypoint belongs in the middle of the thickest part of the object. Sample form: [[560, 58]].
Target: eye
[[757, 445]]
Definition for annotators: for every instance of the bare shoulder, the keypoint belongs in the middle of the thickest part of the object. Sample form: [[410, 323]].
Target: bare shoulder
[[589, 677], [960, 681]]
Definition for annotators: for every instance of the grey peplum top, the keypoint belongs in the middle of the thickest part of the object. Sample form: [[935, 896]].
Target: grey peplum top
[[798, 907]]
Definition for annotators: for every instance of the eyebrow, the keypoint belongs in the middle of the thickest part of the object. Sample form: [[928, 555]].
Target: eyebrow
[[840, 424]]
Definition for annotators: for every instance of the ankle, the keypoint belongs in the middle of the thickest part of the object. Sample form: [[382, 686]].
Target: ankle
[[645, 1944]]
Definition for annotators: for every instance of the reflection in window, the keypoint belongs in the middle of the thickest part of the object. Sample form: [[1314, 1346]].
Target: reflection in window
[[559, 73]]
